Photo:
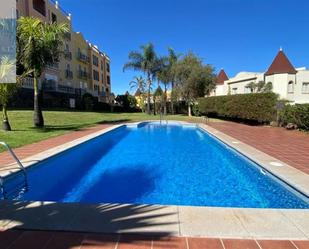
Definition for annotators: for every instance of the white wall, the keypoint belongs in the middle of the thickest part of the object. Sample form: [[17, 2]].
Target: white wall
[[279, 82], [280, 86]]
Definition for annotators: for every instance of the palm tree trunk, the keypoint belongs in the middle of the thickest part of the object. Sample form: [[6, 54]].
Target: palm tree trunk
[[189, 110], [154, 105], [172, 99], [5, 122], [165, 100], [38, 120], [148, 93]]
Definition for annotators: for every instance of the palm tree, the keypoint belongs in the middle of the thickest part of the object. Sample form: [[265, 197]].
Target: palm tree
[[172, 61], [139, 83], [163, 75], [7, 70], [146, 62], [39, 44]]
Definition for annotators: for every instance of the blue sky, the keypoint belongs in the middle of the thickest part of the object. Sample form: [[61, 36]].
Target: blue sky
[[237, 35]]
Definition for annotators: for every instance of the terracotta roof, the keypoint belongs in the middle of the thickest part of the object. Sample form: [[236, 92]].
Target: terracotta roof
[[221, 77], [281, 64]]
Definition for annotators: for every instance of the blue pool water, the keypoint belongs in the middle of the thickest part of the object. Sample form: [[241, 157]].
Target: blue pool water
[[156, 164]]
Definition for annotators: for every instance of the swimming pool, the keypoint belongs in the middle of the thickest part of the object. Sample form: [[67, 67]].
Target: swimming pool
[[153, 163]]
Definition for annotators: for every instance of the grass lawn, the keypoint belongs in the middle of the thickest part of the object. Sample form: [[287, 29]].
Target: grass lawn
[[61, 122]]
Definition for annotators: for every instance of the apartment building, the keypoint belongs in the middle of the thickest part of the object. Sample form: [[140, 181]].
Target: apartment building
[[288, 82], [77, 72]]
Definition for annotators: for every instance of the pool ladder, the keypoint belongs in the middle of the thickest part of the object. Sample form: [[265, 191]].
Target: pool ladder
[[2, 189]]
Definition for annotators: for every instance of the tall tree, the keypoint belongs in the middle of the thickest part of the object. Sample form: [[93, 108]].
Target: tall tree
[[164, 76], [173, 57], [193, 79], [39, 44], [146, 62], [7, 69], [138, 83]]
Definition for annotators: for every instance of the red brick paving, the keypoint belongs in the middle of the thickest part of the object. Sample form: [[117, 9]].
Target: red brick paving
[[240, 244], [63, 240], [35, 148], [291, 147]]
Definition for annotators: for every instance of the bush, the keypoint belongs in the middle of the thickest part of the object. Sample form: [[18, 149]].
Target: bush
[[196, 110], [259, 107], [296, 114]]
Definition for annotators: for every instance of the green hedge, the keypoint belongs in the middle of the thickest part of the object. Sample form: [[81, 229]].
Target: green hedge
[[260, 107], [296, 114]]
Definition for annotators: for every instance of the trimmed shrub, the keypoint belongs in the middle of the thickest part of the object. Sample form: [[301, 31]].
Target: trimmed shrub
[[296, 114], [259, 107]]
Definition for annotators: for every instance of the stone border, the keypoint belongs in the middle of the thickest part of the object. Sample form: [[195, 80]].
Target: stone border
[[243, 223], [290, 175]]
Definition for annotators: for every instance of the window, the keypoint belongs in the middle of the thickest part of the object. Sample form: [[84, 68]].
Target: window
[[102, 78], [291, 87], [95, 60], [53, 18], [96, 75], [39, 6], [234, 90], [108, 80], [107, 67], [305, 87]]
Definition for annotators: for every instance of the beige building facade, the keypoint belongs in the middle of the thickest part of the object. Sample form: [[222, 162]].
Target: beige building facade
[[82, 68]]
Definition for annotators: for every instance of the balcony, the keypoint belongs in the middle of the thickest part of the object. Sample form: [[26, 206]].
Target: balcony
[[82, 75], [49, 85], [83, 58], [66, 89], [27, 83], [67, 55], [68, 74]]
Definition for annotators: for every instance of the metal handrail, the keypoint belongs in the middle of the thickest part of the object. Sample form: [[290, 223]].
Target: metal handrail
[[19, 164]]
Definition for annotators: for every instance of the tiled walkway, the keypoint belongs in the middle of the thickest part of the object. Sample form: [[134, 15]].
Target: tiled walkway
[[32, 149], [291, 147], [14, 239]]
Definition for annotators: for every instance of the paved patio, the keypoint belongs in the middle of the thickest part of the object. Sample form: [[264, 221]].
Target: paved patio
[[15, 239], [291, 147]]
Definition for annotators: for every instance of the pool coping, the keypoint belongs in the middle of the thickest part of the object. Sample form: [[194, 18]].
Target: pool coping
[[173, 220]]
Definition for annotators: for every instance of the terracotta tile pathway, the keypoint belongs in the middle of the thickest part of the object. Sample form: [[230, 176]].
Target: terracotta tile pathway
[[13, 239], [291, 147], [32, 149]]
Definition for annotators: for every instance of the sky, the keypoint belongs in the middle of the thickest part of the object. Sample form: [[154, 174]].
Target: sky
[[237, 35]]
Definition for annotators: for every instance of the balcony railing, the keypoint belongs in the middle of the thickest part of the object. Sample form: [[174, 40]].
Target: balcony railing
[[53, 65], [27, 82], [68, 74], [83, 58], [66, 89], [68, 55], [49, 85], [82, 75]]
